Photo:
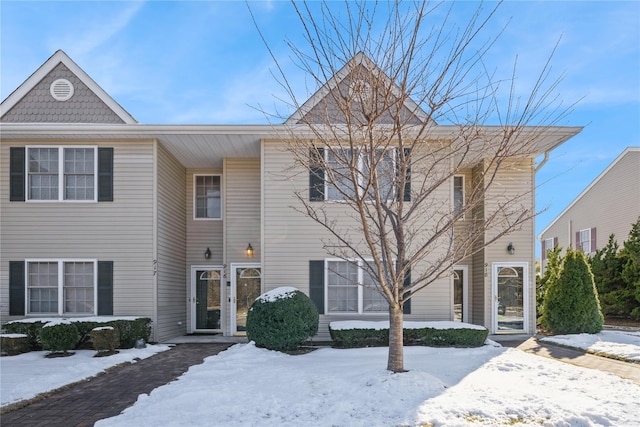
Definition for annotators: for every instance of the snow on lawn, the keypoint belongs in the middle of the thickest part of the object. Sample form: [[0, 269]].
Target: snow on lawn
[[490, 385], [26, 375], [623, 344]]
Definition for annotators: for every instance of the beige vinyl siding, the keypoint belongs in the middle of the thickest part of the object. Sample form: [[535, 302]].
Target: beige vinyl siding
[[172, 284], [515, 179], [202, 233], [242, 209], [291, 240], [120, 231], [611, 205]]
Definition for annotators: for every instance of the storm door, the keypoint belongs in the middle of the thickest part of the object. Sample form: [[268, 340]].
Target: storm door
[[207, 300], [246, 286], [510, 297]]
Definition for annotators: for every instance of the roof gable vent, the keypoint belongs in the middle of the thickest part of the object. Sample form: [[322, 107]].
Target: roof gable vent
[[61, 90]]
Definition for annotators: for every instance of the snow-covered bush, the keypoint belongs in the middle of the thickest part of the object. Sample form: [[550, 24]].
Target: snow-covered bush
[[59, 337], [105, 339], [282, 319]]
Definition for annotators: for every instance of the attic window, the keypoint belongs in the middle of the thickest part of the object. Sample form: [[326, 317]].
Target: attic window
[[61, 90]]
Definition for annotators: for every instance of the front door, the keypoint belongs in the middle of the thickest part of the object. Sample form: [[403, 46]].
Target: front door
[[510, 297], [246, 286], [206, 300]]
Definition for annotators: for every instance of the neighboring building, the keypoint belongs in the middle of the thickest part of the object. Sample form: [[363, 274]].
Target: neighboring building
[[187, 224], [609, 205]]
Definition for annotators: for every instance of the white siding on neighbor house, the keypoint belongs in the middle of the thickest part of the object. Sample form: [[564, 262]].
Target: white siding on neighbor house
[[120, 231], [611, 204], [291, 240], [242, 209], [172, 285]]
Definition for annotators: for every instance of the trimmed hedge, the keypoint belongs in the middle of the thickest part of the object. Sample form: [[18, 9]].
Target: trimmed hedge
[[59, 338], [431, 337], [282, 319], [13, 344], [30, 329], [105, 339], [129, 330]]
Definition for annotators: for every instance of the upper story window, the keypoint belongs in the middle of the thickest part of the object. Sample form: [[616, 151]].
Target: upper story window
[[61, 287], [458, 194], [351, 289], [61, 173], [586, 240], [207, 199], [338, 182]]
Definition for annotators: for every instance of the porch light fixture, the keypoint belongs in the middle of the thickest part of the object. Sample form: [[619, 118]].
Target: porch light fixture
[[207, 253], [249, 250], [511, 249]]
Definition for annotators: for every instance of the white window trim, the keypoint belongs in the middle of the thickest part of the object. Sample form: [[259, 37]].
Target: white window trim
[[194, 204], [360, 286], [61, 262], [453, 193], [583, 241], [360, 165], [61, 198]]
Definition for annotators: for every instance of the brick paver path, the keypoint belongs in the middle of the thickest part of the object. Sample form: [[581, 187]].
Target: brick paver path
[[622, 369], [109, 394]]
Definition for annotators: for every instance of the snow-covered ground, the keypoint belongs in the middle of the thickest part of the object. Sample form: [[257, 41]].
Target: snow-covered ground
[[27, 375], [490, 385], [621, 344]]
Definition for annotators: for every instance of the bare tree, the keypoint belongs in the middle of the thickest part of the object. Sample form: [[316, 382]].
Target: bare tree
[[405, 104]]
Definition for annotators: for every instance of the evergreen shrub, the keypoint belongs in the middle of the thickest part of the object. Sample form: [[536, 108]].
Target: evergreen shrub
[[31, 329], [571, 304], [59, 337], [105, 339], [12, 344], [282, 319]]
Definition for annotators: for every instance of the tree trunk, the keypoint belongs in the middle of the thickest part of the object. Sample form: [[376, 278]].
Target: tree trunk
[[396, 342]]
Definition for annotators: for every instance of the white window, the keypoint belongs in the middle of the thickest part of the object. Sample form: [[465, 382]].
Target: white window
[[351, 289], [585, 241], [339, 161], [71, 169], [458, 194], [207, 197], [61, 287]]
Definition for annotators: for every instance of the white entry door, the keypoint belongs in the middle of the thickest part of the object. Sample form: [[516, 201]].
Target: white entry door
[[246, 286], [207, 299], [510, 297]]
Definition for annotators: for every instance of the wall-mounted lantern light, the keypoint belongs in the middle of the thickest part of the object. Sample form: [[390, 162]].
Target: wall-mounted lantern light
[[249, 250], [207, 253], [511, 249]]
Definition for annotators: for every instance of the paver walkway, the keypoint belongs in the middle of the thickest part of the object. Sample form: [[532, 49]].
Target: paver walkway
[[622, 369], [109, 394]]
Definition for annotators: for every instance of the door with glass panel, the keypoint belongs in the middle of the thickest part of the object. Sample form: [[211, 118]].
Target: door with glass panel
[[459, 294], [207, 300], [510, 297], [246, 286]]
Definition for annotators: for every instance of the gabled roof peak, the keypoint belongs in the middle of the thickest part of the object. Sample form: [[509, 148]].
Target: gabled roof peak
[[60, 57]]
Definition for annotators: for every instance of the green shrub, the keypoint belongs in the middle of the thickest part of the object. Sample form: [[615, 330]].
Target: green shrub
[[59, 338], [105, 339], [432, 337], [31, 329], [131, 330], [282, 319], [571, 305], [13, 344]]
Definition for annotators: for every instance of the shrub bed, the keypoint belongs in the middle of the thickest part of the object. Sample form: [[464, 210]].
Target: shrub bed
[[13, 344], [30, 329], [348, 334], [105, 340], [59, 337], [282, 319]]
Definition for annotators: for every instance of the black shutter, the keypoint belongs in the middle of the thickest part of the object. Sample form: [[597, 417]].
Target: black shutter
[[594, 246], [406, 308], [316, 174], [17, 174], [316, 284], [16, 288], [105, 174], [407, 182], [105, 288]]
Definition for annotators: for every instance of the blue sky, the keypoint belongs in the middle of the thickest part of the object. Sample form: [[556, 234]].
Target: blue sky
[[203, 62]]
